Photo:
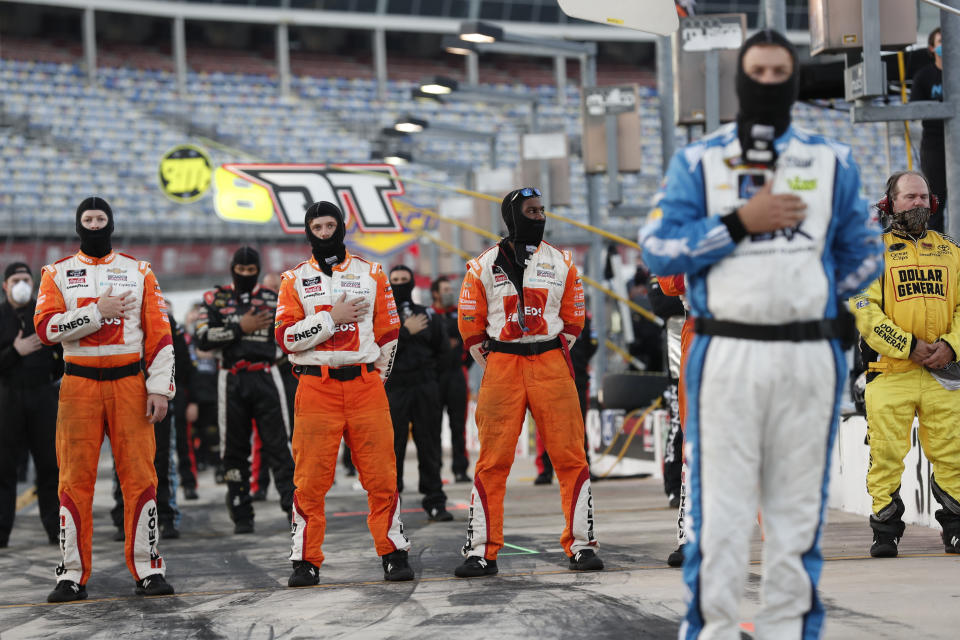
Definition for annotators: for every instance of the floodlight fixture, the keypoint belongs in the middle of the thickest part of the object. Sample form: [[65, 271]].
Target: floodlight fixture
[[439, 86], [422, 96], [398, 158], [456, 46], [409, 124], [480, 32]]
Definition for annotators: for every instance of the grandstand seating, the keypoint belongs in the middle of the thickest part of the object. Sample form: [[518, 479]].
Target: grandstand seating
[[65, 139]]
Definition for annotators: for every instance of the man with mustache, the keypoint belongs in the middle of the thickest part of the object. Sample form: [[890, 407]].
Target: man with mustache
[[910, 316]]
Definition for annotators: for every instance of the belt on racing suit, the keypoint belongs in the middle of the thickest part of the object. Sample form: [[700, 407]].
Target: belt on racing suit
[[102, 374], [343, 374], [523, 348], [246, 365], [825, 329]]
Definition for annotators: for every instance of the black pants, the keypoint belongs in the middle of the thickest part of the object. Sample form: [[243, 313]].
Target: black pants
[[208, 433], [934, 167], [29, 421], [452, 386], [166, 512], [583, 394], [419, 405], [188, 478], [248, 396]]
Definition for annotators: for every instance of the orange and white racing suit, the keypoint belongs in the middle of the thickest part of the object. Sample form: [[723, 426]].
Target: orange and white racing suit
[[104, 390], [340, 395], [523, 343]]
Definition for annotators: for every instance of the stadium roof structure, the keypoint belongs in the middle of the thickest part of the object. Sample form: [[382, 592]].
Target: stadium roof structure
[[580, 31]]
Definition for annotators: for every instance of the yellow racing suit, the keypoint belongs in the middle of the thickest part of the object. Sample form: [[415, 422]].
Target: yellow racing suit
[[915, 298]]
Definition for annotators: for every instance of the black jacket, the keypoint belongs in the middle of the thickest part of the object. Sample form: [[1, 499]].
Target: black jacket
[[418, 355], [42, 366], [218, 326], [455, 356], [583, 349]]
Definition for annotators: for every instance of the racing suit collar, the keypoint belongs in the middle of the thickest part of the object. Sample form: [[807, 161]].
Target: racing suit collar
[[253, 291], [107, 259], [340, 266], [906, 236], [733, 154]]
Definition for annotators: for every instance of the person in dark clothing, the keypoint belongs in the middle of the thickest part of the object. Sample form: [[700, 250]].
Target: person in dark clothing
[[30, 375], [166, 434], [413, 393], [202, 410], [647, 345], [237, 321], [580, 354], [667, 307], [185, 368], [928, 85], [452, 376]]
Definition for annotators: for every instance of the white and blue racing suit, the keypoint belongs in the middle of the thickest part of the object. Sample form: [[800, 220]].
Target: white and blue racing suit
[[765, 371]]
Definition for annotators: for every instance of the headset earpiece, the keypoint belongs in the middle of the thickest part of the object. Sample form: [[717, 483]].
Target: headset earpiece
[[883, 205], [934, 204]]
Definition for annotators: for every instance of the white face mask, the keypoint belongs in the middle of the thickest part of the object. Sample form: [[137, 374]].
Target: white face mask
[[21, 292]]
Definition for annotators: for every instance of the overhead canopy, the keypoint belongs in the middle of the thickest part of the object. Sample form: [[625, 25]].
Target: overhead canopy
[[651, 16]]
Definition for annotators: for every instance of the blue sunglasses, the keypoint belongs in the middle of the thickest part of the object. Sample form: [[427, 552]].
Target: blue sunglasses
[[527, 192]]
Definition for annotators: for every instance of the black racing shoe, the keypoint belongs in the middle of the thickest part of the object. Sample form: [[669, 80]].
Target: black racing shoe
[[67, 591], [439, 514], [168, 531], [461, 477], [674, 499], [544, 478], [305, 574], [884, 545], [951, 542], [155, 585], [586, 560], [259, 495], [475, 566], [675, 559], [190, 493], [396, 568], [243, 526]]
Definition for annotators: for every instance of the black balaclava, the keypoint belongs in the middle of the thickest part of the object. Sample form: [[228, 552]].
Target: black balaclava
[[331, 251], [245, 284], [403, 292], [764, 112], [95, 244], [524, 233]]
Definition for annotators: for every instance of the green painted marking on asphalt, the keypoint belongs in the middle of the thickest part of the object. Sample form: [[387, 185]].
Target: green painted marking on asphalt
[[520, 550]]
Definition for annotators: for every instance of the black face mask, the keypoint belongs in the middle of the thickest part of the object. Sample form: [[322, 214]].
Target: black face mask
[[95, 243], [403, 293], [330, 251], [764, 112], [245, 284]]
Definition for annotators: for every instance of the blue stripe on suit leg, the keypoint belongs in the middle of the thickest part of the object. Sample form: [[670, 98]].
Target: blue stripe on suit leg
[[692, 558], [813, 558]]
